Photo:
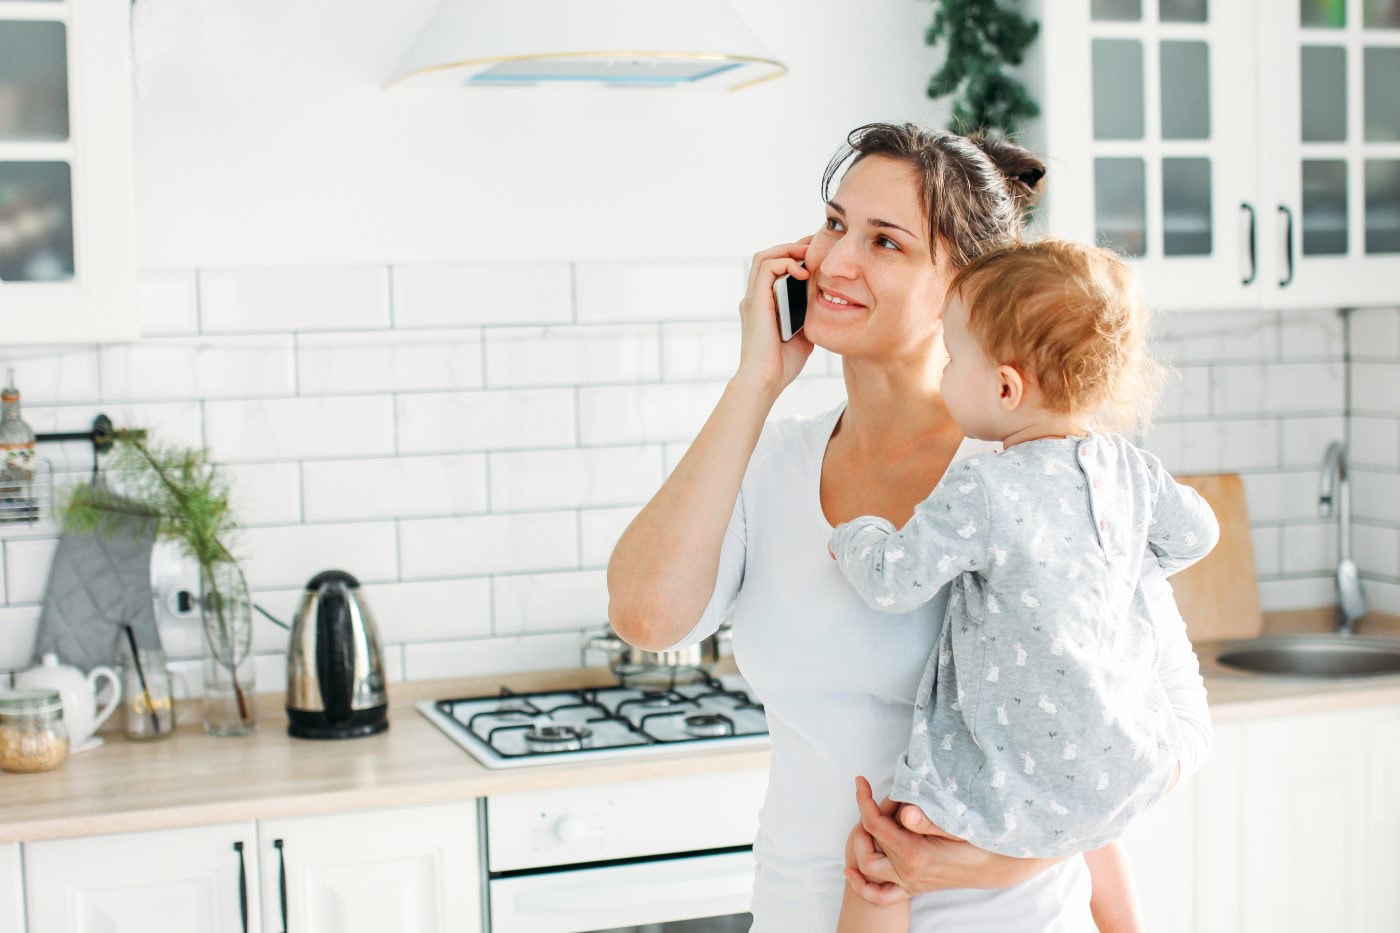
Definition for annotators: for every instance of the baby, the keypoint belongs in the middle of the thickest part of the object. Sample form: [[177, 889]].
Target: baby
[[1041, 728]]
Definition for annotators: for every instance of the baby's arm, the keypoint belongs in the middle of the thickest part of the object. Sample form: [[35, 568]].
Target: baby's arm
[[1112, 900], [896, 571], [861, 916], [1183, 527]]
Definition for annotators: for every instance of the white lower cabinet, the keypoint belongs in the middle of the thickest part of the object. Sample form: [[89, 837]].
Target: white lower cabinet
[[11, 889], [171, 881], [391, 871]]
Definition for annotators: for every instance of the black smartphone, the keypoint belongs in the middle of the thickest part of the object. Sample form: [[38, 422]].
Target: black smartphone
[[791, 297]]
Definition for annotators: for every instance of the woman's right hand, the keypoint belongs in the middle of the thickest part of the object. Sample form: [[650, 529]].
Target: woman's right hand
[[764, 356]]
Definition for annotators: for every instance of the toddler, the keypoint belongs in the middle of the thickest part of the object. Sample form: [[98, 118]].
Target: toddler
[[1041, 728]]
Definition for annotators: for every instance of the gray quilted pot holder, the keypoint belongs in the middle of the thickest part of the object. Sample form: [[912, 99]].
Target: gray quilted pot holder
[[98, 583]]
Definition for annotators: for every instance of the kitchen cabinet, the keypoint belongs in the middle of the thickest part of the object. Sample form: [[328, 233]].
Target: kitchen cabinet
[[11, 890], [391, 871], [67, 263], [1241, 154], [170, 881]]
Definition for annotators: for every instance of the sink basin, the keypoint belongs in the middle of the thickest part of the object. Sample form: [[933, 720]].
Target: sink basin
[[1314, 656]]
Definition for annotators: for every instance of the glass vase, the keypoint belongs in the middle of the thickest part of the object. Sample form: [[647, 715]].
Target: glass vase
[[226, 608]]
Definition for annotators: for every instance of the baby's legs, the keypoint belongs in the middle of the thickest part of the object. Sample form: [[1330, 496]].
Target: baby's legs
[[859, 915]]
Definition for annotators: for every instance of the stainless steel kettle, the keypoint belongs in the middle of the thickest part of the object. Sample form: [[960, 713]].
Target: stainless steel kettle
[[335, 668]]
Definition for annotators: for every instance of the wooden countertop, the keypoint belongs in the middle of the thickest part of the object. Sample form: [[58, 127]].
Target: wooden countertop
[[192, 779]]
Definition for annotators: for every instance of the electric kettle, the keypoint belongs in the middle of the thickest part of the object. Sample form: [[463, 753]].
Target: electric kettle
[[335, 667]]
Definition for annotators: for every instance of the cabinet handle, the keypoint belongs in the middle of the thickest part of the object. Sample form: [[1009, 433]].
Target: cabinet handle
[[1253, 257], [242, 886], [1287, 246], [281, 880]]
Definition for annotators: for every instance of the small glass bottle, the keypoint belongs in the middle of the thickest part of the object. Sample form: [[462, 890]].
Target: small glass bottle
[[17, 503], [32, 734]]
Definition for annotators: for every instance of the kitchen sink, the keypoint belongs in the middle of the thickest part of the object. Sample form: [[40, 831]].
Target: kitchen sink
[[1314, 656]]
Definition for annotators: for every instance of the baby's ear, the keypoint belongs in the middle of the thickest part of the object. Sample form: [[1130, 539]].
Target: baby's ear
[[1013, 387]]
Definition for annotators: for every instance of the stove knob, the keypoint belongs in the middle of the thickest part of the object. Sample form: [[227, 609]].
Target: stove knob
[[570, 829]]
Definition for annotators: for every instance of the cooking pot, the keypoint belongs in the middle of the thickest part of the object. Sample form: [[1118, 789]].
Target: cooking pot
[[637, 667]]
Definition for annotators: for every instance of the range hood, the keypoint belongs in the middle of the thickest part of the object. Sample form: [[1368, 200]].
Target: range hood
[[631, 43]]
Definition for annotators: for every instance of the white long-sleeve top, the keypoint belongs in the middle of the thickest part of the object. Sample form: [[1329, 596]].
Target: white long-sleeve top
[[838, 681]]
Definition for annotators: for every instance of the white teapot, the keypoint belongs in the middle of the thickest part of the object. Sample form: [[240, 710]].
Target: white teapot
[[79, 694]]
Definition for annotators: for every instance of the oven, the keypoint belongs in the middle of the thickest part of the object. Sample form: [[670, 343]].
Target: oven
[[665, 855]]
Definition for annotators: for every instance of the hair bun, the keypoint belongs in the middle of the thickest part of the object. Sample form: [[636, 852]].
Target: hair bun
[[1022, 170]]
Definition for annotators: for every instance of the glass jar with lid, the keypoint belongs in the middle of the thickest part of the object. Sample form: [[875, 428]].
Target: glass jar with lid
[[32, 734]]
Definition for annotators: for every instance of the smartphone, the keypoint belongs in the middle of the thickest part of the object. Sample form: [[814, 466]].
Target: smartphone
[[791, 297]]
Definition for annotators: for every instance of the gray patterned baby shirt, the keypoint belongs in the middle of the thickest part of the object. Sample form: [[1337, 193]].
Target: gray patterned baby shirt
[[1040, 726]]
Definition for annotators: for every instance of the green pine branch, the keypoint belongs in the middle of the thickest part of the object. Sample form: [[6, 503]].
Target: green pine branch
[[982, 38]]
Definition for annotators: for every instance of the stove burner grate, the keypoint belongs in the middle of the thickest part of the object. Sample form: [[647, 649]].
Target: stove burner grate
[[557, 738], [709, 725]]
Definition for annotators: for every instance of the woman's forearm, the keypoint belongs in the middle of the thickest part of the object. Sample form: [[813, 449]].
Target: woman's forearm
[[662, 572]]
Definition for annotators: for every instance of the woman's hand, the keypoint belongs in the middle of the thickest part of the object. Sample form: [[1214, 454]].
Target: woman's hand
[[904, 855], [764, 357]]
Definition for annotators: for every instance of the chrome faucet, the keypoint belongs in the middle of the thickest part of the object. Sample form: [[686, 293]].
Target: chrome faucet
[[1335, 495]]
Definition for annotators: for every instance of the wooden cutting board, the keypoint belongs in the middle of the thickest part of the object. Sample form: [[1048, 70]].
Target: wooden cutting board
[[1219, 595]]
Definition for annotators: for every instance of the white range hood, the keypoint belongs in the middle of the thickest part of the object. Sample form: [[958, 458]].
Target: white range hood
[[632, 43]]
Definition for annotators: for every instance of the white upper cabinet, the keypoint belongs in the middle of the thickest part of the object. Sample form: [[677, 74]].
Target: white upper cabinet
[[67, 262], [1242, 154]]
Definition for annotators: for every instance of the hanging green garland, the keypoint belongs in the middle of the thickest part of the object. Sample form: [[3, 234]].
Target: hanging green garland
[[982, 37]]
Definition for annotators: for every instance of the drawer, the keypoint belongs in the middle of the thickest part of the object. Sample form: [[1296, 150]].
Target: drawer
[[611, 821]]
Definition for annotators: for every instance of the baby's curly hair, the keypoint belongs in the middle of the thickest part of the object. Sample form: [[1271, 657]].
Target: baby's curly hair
[[1071, 318]]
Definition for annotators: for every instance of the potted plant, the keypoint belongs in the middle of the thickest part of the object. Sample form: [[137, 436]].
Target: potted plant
[[190, 498]]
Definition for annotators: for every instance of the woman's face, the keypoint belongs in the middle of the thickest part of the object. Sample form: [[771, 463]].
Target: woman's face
[[874, 290]]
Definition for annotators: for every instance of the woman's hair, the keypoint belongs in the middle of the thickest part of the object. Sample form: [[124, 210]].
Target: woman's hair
[[1070, 317], [975, 190]]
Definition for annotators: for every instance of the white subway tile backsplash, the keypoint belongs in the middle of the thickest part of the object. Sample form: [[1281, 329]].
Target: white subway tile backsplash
[[658, 291], [1310, 548], [489, 420], [694, 352], [1375, 333], [245, 301], [290, 555], [492, 656], [404, 361], [166, 302], [1376, 549], [1383, 597], [1375, 388], [1376, 495], [27, 566], [1305, 440], [462, 295], [1273, 497], [645, 414], [300, 428], [550, 602], [448, 547], [392, 487], [1311, 334], [1375, 442], [600, 530], [1191, 337], [439, 610], [1265, 541], [808, 397], [1281, 388], [1185, 393], [52, 375], [1297, 593], [19, 626], [1213, 446], [199, 367], [264, 493], [588, 477], [572, 355]]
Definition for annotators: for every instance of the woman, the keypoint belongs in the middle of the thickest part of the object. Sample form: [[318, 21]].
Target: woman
[[747, 514]]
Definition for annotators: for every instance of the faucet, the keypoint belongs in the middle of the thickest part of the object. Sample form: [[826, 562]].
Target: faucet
[[1335, 495]]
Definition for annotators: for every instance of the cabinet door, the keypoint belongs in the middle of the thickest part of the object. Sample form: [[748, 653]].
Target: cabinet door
[[1382, 904], [388, 871], [1149, 134], [172, 881], [1305, 809], [11, 890], [1331, 152], [67, 265]]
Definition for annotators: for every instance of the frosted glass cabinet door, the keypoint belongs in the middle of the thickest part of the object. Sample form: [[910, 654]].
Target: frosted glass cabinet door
[[1148, 126], [67, 267], [1330, 152]]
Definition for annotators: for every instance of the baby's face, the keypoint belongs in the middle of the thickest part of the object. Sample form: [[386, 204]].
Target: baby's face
[[971, 384]]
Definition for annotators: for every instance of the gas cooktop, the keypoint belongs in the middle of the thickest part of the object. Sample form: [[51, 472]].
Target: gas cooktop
[[511, 730]]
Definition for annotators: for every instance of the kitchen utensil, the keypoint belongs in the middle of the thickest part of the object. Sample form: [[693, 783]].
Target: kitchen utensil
[[78, 693], [1219, 595], [335, 668], [149, 709], [637, 667]]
